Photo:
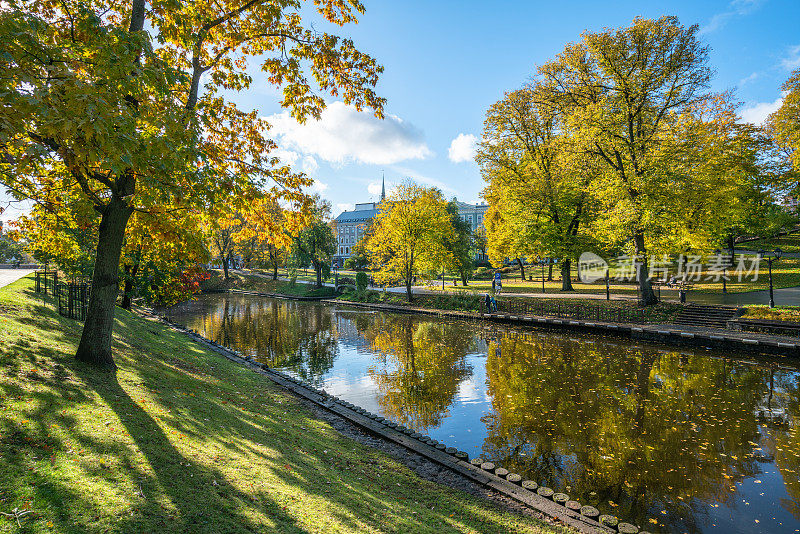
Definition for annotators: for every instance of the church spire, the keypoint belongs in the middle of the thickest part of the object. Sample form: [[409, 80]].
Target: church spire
[[383, 187]]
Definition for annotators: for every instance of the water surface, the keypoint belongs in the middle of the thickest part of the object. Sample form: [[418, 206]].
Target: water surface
[[670, 439]]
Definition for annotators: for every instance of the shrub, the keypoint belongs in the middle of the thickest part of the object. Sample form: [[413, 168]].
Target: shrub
[[362, 281]]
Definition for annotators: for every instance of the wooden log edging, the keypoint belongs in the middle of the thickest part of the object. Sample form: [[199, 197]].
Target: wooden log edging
[[584, 519], [657, 334]]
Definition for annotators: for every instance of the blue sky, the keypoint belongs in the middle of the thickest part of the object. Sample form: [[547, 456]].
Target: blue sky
[[446, 62]]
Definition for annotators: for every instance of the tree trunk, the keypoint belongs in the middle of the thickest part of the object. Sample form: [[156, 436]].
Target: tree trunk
[[408, 289], [464, 278], [130, 275], [521, 268], [646, 290], [550, 273], [95, 344], [275, 271], [731, 246], [225, 266], [318, 270], [566, 279]]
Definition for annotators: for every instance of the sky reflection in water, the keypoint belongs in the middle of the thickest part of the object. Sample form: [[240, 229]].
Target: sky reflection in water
[[691, 440]]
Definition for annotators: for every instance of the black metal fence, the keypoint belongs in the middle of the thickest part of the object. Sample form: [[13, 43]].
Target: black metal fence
[[46, 281], [73, 299], [573, 310]]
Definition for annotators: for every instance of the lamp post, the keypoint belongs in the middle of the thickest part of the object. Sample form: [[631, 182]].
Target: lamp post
[[541, 262], [724, 271], [775, 255]]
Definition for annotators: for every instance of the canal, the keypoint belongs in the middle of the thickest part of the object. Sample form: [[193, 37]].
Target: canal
[[671, 439]]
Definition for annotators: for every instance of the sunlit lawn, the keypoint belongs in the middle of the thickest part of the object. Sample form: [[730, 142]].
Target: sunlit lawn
[[182, 440], [787, 243], [785, 273]]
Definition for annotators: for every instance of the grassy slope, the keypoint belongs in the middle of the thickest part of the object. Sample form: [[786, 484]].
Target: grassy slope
[[778, 313], [184, 441], [473, 302], [264, 284]]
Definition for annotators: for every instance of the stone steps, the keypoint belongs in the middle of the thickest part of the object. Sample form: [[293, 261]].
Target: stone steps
[[707, 316]]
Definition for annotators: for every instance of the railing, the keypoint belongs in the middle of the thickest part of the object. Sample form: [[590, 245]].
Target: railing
[[573, 310], [46, 281], [73, 299]]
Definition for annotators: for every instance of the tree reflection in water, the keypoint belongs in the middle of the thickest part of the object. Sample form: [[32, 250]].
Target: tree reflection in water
[[421, 364], [280, 333], [633, 430]]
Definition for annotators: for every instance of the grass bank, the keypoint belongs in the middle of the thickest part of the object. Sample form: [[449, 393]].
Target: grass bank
[[778, 313], [182, 440], [472, 302], [263, 284]]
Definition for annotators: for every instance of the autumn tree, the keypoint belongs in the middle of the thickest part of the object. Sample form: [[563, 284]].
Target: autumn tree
[[62, 231], [459, 244], [784, 124], [223, 228], [267, 234], [127, 102], [162, 258], [409, 234], [538, 181], [479, 241], [713, 174], [618, 89], [316, 243]]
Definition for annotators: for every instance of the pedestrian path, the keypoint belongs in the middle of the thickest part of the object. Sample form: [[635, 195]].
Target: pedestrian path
[[8, 276]]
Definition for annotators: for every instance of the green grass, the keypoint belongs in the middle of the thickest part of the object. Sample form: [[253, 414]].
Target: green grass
[[785, 273], [787, 243], [264, 284], [182, 440], [467, 302], [778, 313], [663, 312]]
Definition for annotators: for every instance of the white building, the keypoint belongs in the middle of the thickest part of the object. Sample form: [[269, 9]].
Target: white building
[[351, 226], [472, 213]]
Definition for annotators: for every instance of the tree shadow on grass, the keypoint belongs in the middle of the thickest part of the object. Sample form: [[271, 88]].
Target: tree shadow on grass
[[199, 505]]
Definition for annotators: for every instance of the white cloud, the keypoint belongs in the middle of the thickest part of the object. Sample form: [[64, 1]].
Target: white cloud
[[374, 188], [344, 135], [753, 77], [792, 60], [758, 113], [462, 148], [287, 157], [309, 165], [342, 206], [422, 179], [10, 208], [735, 8], [318, 187]]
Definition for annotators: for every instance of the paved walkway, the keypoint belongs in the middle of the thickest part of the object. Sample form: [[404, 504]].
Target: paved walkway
[[12, 275]]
